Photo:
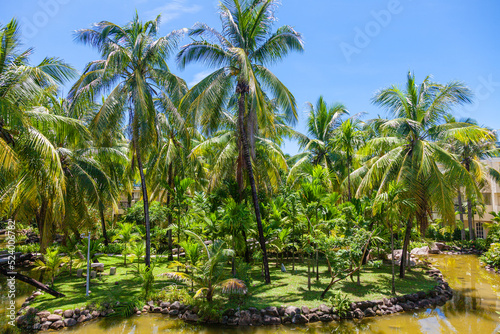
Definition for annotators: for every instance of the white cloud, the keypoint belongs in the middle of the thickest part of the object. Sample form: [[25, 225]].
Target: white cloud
[[198, 77], [173, 10]]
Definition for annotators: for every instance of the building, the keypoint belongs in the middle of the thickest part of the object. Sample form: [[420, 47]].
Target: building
[[124, 204], [491, 195]]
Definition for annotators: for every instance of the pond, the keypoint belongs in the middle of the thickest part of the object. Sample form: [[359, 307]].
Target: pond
[[473, 309]]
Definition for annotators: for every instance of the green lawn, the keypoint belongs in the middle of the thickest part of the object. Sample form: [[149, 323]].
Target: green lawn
[[286, 288]]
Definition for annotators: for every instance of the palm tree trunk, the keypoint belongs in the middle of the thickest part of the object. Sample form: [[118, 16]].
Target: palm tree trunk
[[472, 235], [103, 225], [393, 290], [461, 211], [317, 263], [147, 259], [309, 272], [406, 242], [349, 180], [242, 90]]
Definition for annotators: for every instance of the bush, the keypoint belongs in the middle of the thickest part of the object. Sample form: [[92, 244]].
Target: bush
[[492, 256], [172, 293], [112, 248], [340, 302], [29, 248], [375, 264]]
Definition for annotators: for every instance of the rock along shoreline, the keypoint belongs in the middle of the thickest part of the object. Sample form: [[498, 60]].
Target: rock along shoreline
[[32, 319]]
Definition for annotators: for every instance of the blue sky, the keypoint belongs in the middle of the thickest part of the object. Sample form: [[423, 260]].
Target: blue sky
[[352, 48]]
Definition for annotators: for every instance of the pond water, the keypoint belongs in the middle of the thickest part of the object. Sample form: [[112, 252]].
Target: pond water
[[473, 309]]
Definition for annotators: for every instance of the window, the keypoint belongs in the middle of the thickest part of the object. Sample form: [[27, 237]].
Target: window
[[479, 230]]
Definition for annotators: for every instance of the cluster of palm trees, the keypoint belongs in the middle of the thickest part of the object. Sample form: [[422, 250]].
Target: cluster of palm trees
[[129, 120]]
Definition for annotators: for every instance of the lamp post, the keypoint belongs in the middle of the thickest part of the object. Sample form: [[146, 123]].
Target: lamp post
[[88, 262]]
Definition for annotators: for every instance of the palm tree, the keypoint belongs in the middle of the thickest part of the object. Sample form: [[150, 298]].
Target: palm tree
[[241, 52], [470, 153], [407, 151], [33, 182], [126, 234], [209, 272], [51, 263], [322, 120], [347, 138], [392, 205], [133, 68]]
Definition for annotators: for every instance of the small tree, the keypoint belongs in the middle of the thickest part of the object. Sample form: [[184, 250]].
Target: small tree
[[126, 234], [51, 263]]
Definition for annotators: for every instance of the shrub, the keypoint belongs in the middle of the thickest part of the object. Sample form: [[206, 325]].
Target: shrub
[[340, 302], [112, 248], [492, 256], [29, 248], [172, 293]]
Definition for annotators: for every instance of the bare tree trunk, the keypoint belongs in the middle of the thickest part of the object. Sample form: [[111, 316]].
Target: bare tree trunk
[[147, 259], [393, 290], [309, 272], [103, 225], [349, 179], [406, 242], [31, 282], [470, 218], [242, 90], [461, 211]]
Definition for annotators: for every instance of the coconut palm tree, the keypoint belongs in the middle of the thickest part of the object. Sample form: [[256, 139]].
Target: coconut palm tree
[[33, 182], [346, 140], [393, 206], [134, 71], [470, 154], [409, 154], [241, 53]]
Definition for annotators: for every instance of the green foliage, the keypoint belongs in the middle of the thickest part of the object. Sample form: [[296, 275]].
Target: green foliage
[[147, 279], [492, 256], [209, 311], [51, 263], [376, 264], [172, 293], [28, 248], [340, 302], [158, 214], [111, 248]]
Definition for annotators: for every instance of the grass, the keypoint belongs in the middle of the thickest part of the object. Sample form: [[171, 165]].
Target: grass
[[288, 289], [285, 289]]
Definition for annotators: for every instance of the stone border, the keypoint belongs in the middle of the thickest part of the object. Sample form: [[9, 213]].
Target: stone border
[[492, 269], [272, 315]]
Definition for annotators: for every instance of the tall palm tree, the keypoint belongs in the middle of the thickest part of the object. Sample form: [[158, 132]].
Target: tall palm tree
[[134, 71], [241, 53], [347, 138], [322, 120], [409, 153], [33, 182], [470, 154]]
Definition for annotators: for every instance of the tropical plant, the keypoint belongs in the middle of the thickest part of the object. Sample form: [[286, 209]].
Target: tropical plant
[[322, 121], [407, 152], [241, 52], [209, 274], [393, 207], [51, 263], [126, 234], [133, 68]]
